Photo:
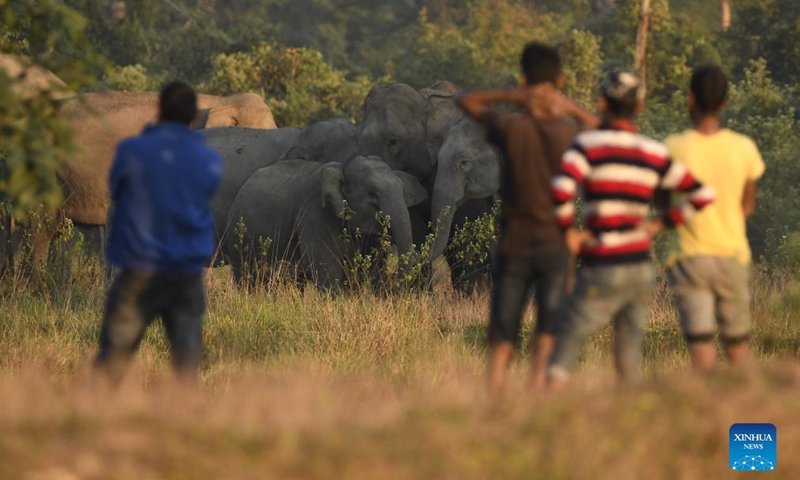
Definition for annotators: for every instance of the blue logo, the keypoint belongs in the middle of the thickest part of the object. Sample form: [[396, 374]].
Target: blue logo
[[753, 447]]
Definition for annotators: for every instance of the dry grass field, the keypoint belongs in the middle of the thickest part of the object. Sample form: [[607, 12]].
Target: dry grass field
[[306, 385]]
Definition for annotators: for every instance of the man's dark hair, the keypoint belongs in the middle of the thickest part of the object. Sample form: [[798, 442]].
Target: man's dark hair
[[540, 63], [623, 91], [178, 103], [710, 89]]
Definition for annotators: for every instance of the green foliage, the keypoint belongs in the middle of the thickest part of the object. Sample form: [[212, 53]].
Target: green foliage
[[131, 78], [316, 59], [170, 38], [34, 139], [765, 111], [471, 243], [298, 84], [479, 47], [583, 60], [769, 30]]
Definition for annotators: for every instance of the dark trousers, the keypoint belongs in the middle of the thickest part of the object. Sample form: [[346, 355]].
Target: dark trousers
[[135, 300], [513, 278]]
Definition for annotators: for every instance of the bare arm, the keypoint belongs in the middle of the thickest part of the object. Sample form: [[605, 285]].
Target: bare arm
[[543, 101], [548, 101], [749, 198], [476, 104], [586, 118]]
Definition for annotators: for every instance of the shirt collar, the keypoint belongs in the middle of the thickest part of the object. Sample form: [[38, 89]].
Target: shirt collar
[[170, 128]]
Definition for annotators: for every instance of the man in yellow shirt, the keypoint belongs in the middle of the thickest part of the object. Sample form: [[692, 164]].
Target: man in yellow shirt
[[709, 271]]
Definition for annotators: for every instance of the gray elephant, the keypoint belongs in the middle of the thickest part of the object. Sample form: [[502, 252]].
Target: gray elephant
[[303, 207], [244, 151], [422, 132]]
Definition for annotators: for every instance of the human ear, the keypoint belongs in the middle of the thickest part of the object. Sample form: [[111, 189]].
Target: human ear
[[560, 82]]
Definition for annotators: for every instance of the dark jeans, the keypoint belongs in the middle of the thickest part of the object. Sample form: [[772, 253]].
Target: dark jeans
[[513, 278], [136, 298]]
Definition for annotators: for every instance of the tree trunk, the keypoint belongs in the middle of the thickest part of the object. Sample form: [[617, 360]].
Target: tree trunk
[[726, 14], [641, 41]]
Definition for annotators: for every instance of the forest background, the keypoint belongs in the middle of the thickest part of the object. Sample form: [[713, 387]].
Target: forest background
[[316, 59], [299, 384]]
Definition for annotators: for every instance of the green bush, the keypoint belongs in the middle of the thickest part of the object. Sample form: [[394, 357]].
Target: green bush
[[297, 83], [34, 139], [131, 78]]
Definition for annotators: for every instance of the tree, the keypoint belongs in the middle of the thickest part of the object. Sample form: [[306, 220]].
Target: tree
[[34, 138], [641, 40], [583, 61], [725, 6], [298, 84]]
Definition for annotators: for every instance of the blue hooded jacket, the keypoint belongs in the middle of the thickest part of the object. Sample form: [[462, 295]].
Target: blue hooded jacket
[[161, 185]]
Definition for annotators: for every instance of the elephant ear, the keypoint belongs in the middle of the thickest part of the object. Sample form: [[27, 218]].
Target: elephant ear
[[297, 152], [332, 179], [413, 191]]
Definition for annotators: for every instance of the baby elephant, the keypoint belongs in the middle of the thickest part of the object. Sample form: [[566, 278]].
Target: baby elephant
[[296, 211]]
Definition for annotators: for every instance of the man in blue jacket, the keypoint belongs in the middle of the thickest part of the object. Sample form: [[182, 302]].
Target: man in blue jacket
[[162, 236]]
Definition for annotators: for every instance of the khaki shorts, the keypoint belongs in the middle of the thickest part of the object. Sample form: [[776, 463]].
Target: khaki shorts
[[711, 291]]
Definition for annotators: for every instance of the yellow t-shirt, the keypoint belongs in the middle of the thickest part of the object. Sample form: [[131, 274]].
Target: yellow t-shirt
[[726, 161]]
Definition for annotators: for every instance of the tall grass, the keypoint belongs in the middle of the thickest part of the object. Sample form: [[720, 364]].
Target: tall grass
[[311, 384]]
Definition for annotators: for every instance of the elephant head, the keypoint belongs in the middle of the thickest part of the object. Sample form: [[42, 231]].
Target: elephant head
[[468, 169], [333, 140], [241, 110], [369, 186], [423, 132], [403, 126]]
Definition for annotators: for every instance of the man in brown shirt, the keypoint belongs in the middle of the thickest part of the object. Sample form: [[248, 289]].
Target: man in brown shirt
[[532, 252]]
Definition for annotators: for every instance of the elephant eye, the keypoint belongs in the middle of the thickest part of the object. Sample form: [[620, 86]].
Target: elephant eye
[[392, 142], [464, 165]]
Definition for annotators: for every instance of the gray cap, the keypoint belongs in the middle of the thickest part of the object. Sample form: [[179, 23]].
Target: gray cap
[[623, 86]]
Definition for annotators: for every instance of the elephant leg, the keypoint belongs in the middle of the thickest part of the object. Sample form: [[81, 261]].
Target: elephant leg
[[330, 276], [325, 266]]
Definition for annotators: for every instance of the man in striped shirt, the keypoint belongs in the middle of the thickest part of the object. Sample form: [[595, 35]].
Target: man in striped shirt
[[619, 171]]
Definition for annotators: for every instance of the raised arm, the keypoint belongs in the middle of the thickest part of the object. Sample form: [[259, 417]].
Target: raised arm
[[542, 101], [476, 104], [553, 103]]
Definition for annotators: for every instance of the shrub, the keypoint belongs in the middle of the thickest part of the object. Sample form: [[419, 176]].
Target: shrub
[[298, 84]]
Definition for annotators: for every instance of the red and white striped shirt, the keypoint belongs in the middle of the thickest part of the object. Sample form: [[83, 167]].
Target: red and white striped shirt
[[619, 171]]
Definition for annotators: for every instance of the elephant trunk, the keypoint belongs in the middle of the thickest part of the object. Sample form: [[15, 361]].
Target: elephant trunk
[[395, 208], [443, 206]]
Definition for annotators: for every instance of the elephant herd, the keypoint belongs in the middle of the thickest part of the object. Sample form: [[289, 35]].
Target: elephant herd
[[414, 158]]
